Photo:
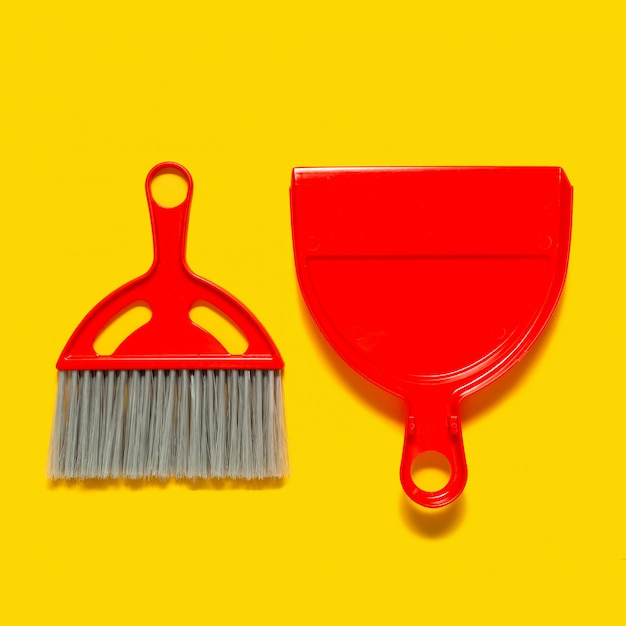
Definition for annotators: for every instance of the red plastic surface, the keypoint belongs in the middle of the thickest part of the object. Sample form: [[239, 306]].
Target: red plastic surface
[[431, 282], [169, 340]]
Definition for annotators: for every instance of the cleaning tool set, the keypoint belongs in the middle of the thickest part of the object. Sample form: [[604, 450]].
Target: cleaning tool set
[[432, 283], [170, 400]]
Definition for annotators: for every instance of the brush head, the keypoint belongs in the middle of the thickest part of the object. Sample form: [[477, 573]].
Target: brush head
[[200, 424]]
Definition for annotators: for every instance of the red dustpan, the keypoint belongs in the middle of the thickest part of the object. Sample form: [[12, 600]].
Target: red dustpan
[[431, 282]]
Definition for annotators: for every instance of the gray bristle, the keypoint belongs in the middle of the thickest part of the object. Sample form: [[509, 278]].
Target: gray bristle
[[169, 423]]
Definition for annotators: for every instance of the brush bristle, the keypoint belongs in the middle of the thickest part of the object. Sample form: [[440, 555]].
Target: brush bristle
[[168, 423]]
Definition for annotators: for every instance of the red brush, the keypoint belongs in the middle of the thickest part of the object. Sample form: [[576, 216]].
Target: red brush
[[170, 400]]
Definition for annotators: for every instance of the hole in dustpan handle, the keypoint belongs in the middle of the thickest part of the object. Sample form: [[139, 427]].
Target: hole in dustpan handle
[[433, 430]]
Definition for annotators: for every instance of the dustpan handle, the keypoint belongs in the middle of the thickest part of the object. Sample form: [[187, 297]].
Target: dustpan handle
[[433, 425]]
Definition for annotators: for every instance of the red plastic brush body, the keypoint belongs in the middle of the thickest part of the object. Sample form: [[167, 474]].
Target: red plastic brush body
[[169, 340], [432, 283]]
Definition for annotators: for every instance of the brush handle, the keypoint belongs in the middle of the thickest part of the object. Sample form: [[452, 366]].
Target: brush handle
[[169, 224], [433, 424], [169, 340]]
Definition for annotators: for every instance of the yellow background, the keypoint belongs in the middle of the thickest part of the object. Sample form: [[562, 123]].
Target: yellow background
[[95, 93]]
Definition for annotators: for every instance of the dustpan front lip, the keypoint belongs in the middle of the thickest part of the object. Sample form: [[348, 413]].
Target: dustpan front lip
[[300, 174]]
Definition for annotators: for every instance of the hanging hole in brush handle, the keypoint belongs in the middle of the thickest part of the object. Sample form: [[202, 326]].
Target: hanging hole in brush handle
[[169, 185], [433, 444], [169, 223]]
